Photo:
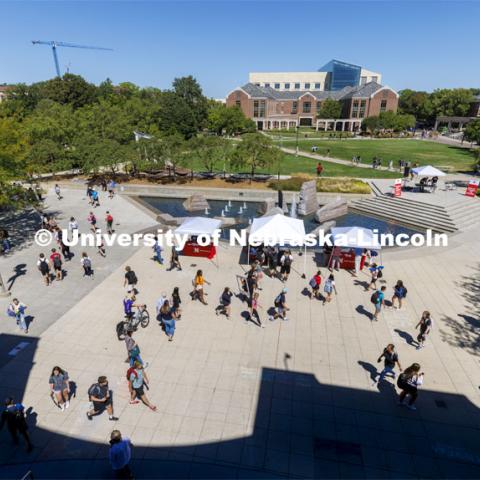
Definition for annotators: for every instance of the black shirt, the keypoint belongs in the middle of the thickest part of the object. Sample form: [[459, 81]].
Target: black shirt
[[390, 358], [131, 277]]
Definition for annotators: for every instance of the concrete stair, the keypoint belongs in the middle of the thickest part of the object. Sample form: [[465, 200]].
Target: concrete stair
[[417, 215]]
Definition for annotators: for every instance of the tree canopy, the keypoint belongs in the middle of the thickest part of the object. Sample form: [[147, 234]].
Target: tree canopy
[[330, 109]]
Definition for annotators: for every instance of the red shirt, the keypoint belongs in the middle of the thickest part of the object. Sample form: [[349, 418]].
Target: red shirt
[[55, 255], [318, 279]]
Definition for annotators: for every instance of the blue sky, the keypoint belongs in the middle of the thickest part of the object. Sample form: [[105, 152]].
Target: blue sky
[[414, 44]]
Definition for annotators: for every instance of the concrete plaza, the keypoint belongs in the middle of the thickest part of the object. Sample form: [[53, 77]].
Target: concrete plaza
[[295, 399]]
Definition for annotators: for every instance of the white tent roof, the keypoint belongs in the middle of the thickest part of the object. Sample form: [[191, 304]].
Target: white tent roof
[[355, 237], [198, 226], [428, 171], [279, 228]]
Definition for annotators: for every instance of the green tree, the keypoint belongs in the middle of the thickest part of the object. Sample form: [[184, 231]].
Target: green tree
[[70, 90], [212, 152], [472, 132], [330, 109], [415, 103], [189, 89], [175, 116], [229, 120], [254, 151], [451, 102], [170, 150]]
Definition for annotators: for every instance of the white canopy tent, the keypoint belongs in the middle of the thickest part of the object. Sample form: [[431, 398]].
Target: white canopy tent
[[280, 229], [355, 237], [198, 226], [428, 171]]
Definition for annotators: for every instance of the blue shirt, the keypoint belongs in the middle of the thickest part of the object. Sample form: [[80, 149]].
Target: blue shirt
[[137, 380], [127, 306], [120, 454], [380, 297]]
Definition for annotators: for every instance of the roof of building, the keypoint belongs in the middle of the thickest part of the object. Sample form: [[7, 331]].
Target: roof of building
[[360, 91]]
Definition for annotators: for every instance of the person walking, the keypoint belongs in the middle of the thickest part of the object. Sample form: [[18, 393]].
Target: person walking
[[281, 307], [133, 350], [57, 264], [86, 263], [17, 310], [72, 227], [378, 300], [174, 259], [138, 379], [390, 357], [425, 325], [314, 284], [92, 220], [157, 252], [62, 239], [198, 283], [176, 302], [95, 199], [286, 261], [109, 222], [168, 320], [254, 306], [225, 303], [130, 280], [111, 188], [44, 268], [408, 382], [399, 293], [319, 169], [60, 387], [158, 306], [100, 244], [329, 288], [99, 395], [13, 415], [376, 273], [120, 455], [57, 192]]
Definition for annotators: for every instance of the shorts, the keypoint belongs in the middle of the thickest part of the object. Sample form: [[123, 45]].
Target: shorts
[[378, 307], [58, 269], [316, 288], [100, 406], [285, 269], [139, 391]]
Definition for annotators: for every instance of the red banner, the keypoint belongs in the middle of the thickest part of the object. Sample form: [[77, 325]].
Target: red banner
[[397, 190], [472, 188]]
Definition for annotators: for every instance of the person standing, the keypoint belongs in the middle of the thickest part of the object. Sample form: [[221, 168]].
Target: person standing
[[271, 261], [60, 387], [17, 310], [72, 226], [174, 259], [120, 455], [99, 395], [408, 382], [92, 220], [168, 320], [314, 283], [44, 268], [176, 302], [319, 169], [56, 262], [109, 222], [399, 293], [390, 357], [62, 236], [14, 416], [86, 262], [329, 288], [57, 191], [281, 307], [130, 280], [138, 379], [378, 299], [225, 303], [286, 261], [425, 324], [336, 259], [198, 283]]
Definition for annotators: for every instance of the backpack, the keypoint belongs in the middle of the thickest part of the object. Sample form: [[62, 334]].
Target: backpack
[[109, 219], [44, 268], [288, 261], [93, 391], [402, 381], [278, 300], [379, 274], [374, 298], [312, 282], [87, 263], [57, 262], [130, 371]]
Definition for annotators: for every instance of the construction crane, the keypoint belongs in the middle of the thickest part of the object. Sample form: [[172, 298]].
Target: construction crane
[[55, 44]]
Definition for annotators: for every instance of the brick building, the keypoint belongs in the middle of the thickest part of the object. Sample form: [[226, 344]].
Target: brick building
[[272, 108]]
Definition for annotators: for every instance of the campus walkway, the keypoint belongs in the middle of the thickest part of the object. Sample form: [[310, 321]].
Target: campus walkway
[[294, 399]]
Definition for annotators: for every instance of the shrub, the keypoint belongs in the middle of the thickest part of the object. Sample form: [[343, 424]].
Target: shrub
[[326, 185]]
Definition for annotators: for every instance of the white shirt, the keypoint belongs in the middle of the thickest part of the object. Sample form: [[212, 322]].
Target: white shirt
[[73, 225]]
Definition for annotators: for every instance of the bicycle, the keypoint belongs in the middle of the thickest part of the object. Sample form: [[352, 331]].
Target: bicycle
[[140, 317]]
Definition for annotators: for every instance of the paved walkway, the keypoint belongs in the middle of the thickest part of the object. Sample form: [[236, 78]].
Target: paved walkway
[[294, 399]]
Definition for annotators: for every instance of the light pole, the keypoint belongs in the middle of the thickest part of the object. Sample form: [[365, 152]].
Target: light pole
[[3, 291], [296, 146]]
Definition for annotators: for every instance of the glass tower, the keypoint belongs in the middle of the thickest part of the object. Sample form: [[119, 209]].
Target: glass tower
[[341, 75]]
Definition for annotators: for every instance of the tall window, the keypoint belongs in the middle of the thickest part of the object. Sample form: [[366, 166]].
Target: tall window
[[277, 86], [297, 86], [259, 108], [294, 107], [355, 109], [374, 79], [238, 103], [363, 105], [383, 106], [319, 106], [318, 86], [307, 86], [267, 84], [363, 80], [287, 86], [307, 107]]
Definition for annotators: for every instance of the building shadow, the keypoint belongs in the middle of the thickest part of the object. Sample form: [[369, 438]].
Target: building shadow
[[302, 428]]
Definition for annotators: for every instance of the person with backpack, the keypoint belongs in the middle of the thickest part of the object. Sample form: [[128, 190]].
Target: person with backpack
[[167, 319], [13, 415], [425, 324], [17, 310], [376, 273], [86, 262], [92, 220], [225, 303], [120, 455], [390, 357], [56, 261], [329, 288], [378, 300], [281, 307], [109, 222], [130, 280], [138, 379], [314, 284], [44, 268], [399, 293], [408, 382], [99, 395], [60, 387], [286, 261], [133, 350]]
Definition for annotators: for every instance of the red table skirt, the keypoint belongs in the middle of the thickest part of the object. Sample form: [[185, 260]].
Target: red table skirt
[[347, 260], [194, 250]]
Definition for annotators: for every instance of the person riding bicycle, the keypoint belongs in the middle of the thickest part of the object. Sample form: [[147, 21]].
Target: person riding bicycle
[[128, 304]]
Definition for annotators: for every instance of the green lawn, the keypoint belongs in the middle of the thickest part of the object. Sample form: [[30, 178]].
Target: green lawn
[[416, 151]]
